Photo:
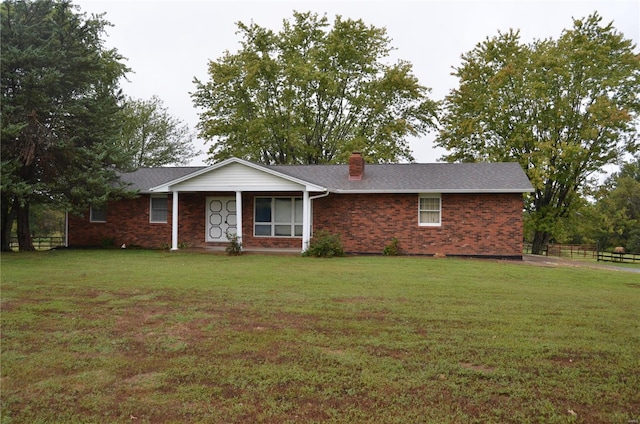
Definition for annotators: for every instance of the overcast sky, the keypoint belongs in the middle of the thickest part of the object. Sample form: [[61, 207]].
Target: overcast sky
[[168, 43]]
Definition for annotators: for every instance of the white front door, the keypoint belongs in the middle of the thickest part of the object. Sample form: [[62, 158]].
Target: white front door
[[221, 217]]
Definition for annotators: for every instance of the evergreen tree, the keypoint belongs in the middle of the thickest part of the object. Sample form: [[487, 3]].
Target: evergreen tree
[[60, 111]]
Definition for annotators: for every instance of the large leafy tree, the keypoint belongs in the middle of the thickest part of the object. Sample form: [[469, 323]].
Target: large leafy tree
[[152, 137], [562, 108], [312, 93], [60, 112]]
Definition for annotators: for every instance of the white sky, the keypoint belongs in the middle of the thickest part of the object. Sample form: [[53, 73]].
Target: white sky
[[168, 43]]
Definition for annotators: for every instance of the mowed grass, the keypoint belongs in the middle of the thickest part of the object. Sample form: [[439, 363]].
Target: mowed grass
[[157, 337]]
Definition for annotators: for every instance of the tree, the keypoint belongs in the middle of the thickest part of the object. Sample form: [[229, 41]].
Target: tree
[[46, 221], [617, 209], [60, 112], [563, 109], [311, 94], [152, 137]]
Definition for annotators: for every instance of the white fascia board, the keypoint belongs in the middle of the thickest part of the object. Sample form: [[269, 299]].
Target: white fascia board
[[257, 189], [461, 191], [166, 187]]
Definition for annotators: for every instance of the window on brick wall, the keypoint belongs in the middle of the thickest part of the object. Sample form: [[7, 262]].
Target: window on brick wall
[[277, 217], [429, 210], [158, 209], [97, 214]]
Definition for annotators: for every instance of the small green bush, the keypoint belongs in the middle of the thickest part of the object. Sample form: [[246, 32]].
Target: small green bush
[[325, 245], [392, 249], [235, 247], [108, 243]]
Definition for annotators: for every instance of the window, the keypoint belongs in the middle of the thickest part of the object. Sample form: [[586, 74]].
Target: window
[[158, 210], [97, 214], [429, 211], [278, 217]]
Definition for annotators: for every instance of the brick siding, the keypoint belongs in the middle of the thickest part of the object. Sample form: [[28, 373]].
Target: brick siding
[[471, 224], [127, 223]]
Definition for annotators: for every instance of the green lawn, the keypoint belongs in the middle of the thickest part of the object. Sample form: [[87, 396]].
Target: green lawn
[[144, 336]]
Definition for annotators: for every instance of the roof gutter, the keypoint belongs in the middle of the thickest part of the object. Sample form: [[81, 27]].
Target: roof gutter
[[412, 191], [319, 196]]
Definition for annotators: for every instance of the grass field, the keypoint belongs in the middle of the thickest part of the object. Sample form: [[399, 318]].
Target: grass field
[[157, 337]]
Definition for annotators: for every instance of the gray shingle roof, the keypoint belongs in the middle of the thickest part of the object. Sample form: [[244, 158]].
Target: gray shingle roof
[[407, 178], [416, 177], [144, 178]]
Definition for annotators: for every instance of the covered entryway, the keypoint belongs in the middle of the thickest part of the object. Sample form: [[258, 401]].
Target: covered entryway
[[221, 218], [224, 213]]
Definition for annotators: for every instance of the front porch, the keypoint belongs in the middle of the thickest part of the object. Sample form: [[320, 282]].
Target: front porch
[[264, 209]]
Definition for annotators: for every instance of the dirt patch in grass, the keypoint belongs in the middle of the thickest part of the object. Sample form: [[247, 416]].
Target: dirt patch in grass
[[477, 367], [355, 299], [144, 379]]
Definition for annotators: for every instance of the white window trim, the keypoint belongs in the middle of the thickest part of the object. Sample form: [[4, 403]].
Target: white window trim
[[151, 209], [274, 223], [430, 196], [99, 221]]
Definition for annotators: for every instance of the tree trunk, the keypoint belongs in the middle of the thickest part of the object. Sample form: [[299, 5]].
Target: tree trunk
[[25, 242], [540, 241], [7, 217]]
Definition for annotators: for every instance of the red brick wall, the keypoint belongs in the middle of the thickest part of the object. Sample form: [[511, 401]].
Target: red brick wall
[[127, 223], [472, 224], [192, 220]]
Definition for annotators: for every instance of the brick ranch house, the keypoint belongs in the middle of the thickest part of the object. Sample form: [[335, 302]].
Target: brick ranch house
[[466, 209]]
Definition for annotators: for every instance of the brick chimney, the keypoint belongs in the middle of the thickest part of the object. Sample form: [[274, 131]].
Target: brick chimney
[[356, 166]]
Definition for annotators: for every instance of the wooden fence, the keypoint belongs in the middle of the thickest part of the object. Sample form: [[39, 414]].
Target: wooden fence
[[619, 257], [572, 250], [41, 243], [568, 250], [585, 251]]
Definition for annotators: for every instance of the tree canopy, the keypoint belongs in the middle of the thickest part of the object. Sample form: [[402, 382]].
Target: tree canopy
[[562, 108], [312, 93], [60, 110], [152, 137]]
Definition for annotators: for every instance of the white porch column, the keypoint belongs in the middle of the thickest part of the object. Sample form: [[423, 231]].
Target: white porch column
[[306, 220], [174, 221], [239, 215]]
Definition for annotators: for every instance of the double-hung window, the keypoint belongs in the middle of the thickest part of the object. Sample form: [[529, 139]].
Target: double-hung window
[[429, 210], [278, 217], [97, 214], [158, 210]]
